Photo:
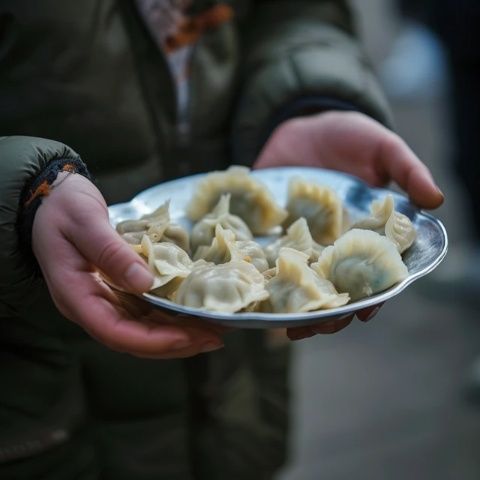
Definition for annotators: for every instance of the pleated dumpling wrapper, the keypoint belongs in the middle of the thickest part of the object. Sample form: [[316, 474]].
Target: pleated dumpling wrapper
[[228, 287], [225, 248], [158, 226], [203, 231], [384, 219], [296, 288], [250, 199], [361, 263], [169, 264], [320, 206], [298, 237]]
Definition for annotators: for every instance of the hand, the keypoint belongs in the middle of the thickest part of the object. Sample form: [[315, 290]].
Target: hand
[[353, 143], [333, 326], [72, 240]]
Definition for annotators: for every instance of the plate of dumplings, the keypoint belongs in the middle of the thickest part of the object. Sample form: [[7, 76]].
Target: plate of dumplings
[[280, 247]]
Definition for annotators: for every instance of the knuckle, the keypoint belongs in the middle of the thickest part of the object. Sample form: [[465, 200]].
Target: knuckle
[[110, 253], [393, 141]]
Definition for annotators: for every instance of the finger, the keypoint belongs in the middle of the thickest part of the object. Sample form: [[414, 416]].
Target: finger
[[137, 307], [102, 246], [186, 353], [100, 312], [169, 316], [334, 326], [366, 314], [400, 164], [299, 333], [134, 305], [145, 338], [202, 344]]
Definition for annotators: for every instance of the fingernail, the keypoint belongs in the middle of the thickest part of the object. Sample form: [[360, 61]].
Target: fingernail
[[440, 192], [372, 314], [300, 333], [138, 276], [211, 347]]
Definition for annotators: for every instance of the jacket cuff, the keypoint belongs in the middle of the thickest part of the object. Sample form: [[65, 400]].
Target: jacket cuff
[[23, 159], [33, 193]]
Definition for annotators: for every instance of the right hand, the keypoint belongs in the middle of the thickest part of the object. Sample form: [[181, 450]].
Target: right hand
[[73, 240]]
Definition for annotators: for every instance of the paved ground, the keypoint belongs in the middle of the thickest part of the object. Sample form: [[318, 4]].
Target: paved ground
[[384, 401]]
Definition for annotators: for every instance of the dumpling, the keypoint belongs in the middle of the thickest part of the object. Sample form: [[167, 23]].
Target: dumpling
[[250, 199], [229, 287], [253, 253], [386, 220], [170, 232], [204, 231], [400, 230], [221, 250], [298, 237], [297, 288], [225, 248], [269, 273], [361, 263], [317, 250], [319, 205], [160, 215], [167, 261], [158, 226]]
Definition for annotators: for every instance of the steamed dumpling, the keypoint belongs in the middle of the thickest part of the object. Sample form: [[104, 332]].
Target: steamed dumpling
[[252, 252], [225, 248], [204, 231], [297, 288], [222, 249], [158, 226], [169, 264], [319, 205], [229, 287], [250, 199], [384, 219], [361, 263], [298, 237], [170, 232], [161, 215]]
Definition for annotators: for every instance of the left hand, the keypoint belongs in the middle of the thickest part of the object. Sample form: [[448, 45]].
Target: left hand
[[356, 144]]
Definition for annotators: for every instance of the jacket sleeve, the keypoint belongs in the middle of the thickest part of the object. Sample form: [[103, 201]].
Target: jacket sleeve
[[22, 160], [300, 52]]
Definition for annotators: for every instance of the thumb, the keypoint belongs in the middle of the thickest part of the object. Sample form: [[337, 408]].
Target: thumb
[[401, 164], [101, 245]]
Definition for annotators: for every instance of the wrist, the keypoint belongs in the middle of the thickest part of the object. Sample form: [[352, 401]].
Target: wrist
[[50, 179]]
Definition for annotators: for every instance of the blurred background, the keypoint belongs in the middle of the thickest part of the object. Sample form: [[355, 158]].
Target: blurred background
[[399, 397]]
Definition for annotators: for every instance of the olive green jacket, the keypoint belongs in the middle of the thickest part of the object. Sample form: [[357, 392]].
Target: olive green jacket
[[89, 76]]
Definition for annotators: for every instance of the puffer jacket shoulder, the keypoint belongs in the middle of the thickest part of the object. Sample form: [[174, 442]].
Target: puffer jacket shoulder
[[300, 50]]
